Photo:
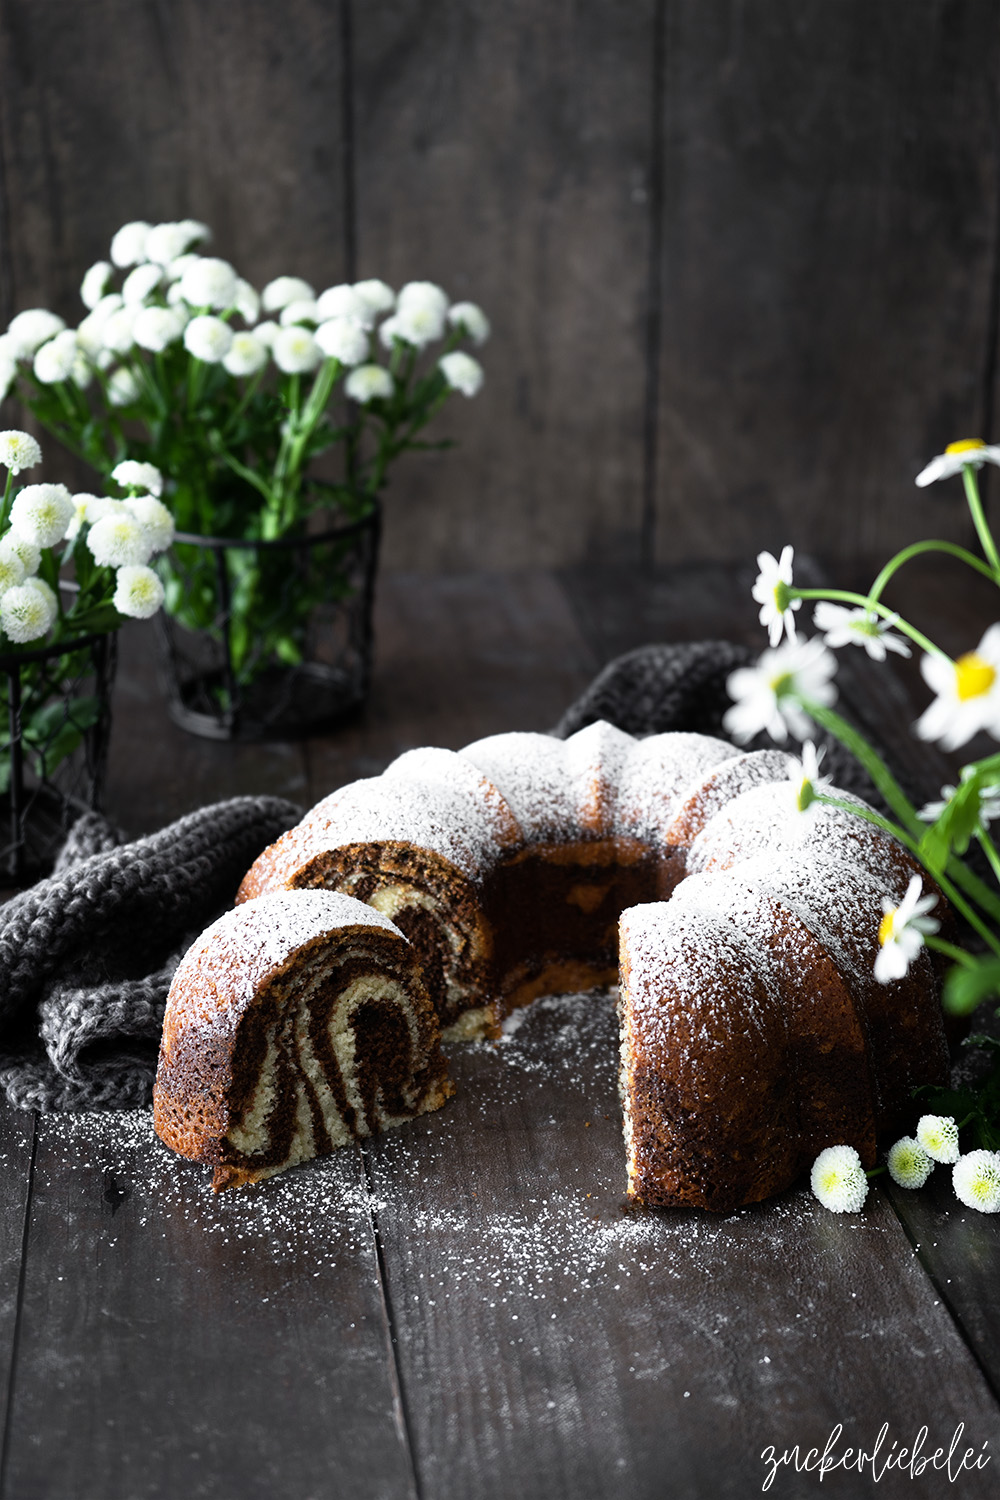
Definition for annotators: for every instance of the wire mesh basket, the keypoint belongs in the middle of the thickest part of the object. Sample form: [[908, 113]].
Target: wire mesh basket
[[56, 712], [269, 639]]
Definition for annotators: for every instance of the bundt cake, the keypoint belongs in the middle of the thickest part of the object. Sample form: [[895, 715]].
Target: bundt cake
[[295, 1024], [753, 1031]]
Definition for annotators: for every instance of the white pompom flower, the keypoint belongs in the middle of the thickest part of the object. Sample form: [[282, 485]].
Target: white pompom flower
[[908, 1163], [208, 338], [31, 329], [283, 290], [56, 360], [771, 591], [301, 311], [118, 540], [8, 375], [28, 611], [247, 301], [266, 332], [938, 1135], [858, 627], [27, 553], [344, 301], [247, 354], [118, 331], [462, 372], [377, 296], [41, 513], [134, 474], [138, 592], [839, 1180], [901, 934], [209, 282], [155, 519], [968, 694], [90, 334], [471, 319], [296, 351], [128, 247], [156, 328], [177, 268], [389, 332], [423, 294], [95, 283], [11, 573], [419, 323], [344, 340], [369, 383], [123, 387], [764, 694], [166, 243], [975, 1178], [18, 450], [140, 283]]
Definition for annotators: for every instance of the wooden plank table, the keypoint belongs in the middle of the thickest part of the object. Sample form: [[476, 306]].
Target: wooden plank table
[[466, 1307]]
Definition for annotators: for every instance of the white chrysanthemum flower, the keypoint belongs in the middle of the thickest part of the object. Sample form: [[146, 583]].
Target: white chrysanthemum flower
[[344, 301], [909, 1164], [19, 450], [56, 360], [343, 339], [95, 283], [247, 301], [119, 540], [471, 319], [938, 1135], [304, 310], [389, 332], [419, 323], [955, 457], [28, 611], [27, 553], [858, 627], [266, 332], [807, 783], [41, 513], [976, 1180], [154, 517], [968, 694], [376, 295], [423, 294], [82, 373], [199, 232], [90, 334], [128, 248], [133, 474], [246, 356], [80, 504], [177, 268], [118, 331], [138, 284], [462, 372], [296, 351], [123, 387], [156, 328], [771, 591], [901, 934], [209, 282], [764, 694], [138, 592], [31, 329], [283, 290], [838, 1180], [369, 383], [8, 375], [208, 338], [166, 243], [11, 573]]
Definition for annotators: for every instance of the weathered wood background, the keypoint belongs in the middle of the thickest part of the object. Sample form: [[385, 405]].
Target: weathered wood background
[[741, 258]]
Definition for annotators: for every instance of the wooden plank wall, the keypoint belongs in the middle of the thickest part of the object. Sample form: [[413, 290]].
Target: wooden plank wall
[[741, 257]]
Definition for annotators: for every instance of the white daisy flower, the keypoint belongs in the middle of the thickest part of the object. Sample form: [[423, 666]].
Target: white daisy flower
[[376, 295], [123, 387], [901, 933], [938, 1136], [975, 1178], [41, 513], [368, 383], [138, 592], [128, 248], [423, 294], [266, 332], [968, 694], [247, 301], [807, 783], [118, 331], [156, 328], [119, 540], [471, 319], [284, 289], [31, 329], [155, 519], [208, 338], [295, 350], [209, 282], [989, 802], [771, 590], [858, 627], [304, 310], [28, 611], [11, 573], [955, 457], [27, 553], [838, 1180], [909, 1164], [95, 283], [462, 372], [344, 301], [56, 360], [419, 323], [764, 693], [133, 474], [343, 339], [247, 354], [166, 243], [138, 284], [18, 450]]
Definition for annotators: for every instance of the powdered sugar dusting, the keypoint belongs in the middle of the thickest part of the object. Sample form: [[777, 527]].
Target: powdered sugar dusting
[[531, 773], [655, 776]]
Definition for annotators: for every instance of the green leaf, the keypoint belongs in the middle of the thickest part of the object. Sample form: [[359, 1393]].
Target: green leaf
[[965, 988]]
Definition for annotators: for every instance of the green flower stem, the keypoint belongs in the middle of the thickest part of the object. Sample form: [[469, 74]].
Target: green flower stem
[[949, 950], [847, 596], [895, 563], [862, 751], [973, 887], [6, 503], [979, 519]]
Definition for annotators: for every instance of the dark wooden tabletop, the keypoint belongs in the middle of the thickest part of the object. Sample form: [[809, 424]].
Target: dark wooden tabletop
[[465, 1307]]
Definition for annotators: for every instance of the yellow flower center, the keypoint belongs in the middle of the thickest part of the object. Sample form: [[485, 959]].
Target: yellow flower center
[[806, 796], [782, 596], [973, 676], [965, 445], [885, 927], [781, 684]]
